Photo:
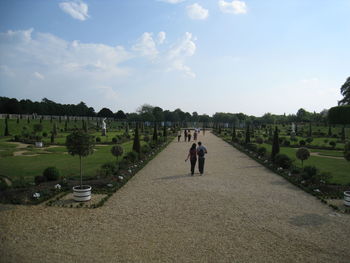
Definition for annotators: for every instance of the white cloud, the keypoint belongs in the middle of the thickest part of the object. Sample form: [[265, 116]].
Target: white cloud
[[38, 75], [76, 9], [161, 37], [235, 7], [146, 46], [172, 1], [108, 93], [178, 53], [197, 12]]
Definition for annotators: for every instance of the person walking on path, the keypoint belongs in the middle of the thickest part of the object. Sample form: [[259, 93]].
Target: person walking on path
[[192, 154], [195, 135], [178, 135], [189, 136], [185, 133], [201, 152]]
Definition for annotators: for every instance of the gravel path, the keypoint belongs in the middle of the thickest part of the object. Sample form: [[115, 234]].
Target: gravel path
[[237, 212]]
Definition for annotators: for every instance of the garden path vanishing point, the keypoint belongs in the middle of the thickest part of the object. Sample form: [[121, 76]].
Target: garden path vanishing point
[[237, 212]]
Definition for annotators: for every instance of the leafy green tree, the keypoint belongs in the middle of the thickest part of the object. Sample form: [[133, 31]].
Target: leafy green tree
[[82, 144], [302, 154], [136, 145], [339, 115], [345, 91], [275, 145]]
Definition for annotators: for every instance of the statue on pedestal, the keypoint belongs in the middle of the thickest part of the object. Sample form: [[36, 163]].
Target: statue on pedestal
[[104, 129], [292, 134]]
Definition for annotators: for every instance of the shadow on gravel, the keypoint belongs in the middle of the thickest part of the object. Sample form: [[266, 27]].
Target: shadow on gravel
[[308, 220], [249, 166], [6, 207]]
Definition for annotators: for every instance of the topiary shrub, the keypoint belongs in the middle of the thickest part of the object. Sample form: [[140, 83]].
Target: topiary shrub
[[259, 140], [333, 144], [146, 138], [98, 139], [302, 143], [145, 149], [132, 156], [123, 164], [51, 174], [309, 140], [286, 143], [302, 154], [252, 147], [262, 151], [309, 172], [282, 160], [109, 169], [39, 179], [117, 151], [114, 140]]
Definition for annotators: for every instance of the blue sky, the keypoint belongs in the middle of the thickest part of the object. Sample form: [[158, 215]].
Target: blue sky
[[208, 56]]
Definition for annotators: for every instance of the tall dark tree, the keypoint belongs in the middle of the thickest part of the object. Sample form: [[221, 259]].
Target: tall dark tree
[[329, 131], [105, 112], [310, 130], [6, 133], [136, 145], [155, 133], [247, 134], [234, 133], [275, 145], [165, 131], [343, 134], [345, 91]]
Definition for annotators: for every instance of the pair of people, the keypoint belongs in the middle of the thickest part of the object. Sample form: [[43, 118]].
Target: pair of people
[[195, 151]]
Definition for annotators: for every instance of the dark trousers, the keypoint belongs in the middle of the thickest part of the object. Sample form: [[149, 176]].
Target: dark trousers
[[201, 165], [193, 165]]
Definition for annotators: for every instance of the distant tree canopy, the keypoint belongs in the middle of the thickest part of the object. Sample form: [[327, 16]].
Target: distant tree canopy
[[345, 91], [339, 115], [105, 112]]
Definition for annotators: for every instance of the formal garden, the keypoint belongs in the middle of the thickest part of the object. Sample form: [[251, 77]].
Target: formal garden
[[32, 173], [313, 156]]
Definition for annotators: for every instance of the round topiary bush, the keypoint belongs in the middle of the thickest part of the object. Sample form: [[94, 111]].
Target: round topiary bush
[[302, 143], [51, 174], [282, 160], [309, 172], [117, 151], [114, 140], [302, 154], [332, 143], [132, 156], [262, 151], [309, 140], [39, 179], [98, 139], [145, 149], [252, 147]]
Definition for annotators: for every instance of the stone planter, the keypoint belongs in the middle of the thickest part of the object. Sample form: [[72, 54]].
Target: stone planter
[[82, 194], [347, 198], [39, 144]]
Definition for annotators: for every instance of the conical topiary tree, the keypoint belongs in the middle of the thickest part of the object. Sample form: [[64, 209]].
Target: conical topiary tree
[[247, 135], [82, 144], [234, 133], [136, 145], [6, 132], [155, 133], [275, 145], [347, 151], [302, 154], [343, 134], [329, 131], [165, 132]]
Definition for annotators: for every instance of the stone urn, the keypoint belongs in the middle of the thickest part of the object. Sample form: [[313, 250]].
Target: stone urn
[[347, 198], [82, 194]]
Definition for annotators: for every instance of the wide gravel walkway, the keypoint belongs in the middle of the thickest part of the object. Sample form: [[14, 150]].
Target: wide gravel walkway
[[237, 212]]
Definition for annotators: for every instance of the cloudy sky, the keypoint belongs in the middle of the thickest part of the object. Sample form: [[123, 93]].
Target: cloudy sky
[[208, 56]]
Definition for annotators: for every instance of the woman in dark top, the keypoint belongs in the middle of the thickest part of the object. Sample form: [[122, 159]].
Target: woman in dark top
[[192, 154]]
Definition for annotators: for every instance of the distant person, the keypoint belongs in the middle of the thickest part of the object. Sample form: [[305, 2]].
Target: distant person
[[178, 135], [192, 154], [185, 133], [195, 135], [201, 152], [189, 136]]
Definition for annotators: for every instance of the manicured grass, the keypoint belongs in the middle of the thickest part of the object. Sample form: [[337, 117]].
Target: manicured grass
[[30, 166]]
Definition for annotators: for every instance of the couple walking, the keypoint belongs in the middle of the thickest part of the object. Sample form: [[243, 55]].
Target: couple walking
[[199, 151]]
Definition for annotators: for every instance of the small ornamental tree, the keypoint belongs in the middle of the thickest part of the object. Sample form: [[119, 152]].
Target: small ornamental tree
[[302, 154], [136, 145], [82, 144], [117, 151], [275, 145], [343, 134], [347, 151], [37, 129], [329, 131], [247, 135], [155, 133]]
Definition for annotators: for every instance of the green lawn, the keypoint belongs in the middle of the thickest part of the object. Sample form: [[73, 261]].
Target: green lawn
[[30, 166]]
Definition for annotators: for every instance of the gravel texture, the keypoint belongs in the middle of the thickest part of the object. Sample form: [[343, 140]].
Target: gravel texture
[[237, 212]]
